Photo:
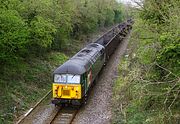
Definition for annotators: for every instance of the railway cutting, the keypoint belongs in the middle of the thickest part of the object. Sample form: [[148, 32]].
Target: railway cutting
[[74, 79]]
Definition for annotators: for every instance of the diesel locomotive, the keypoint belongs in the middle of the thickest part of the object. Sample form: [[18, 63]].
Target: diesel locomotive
[[73, 79]]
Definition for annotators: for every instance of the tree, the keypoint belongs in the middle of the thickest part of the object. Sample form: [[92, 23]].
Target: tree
[[13, 34]]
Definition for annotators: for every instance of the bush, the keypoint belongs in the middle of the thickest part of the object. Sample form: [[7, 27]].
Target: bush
[[42, 32], [13, 34], [152, 77]]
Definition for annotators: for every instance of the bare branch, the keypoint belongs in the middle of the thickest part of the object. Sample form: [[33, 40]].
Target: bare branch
[[174, 99], [166, 70], [168, 93]]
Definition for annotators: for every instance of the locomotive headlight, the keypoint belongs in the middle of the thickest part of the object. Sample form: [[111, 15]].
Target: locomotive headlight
[[77, 88]]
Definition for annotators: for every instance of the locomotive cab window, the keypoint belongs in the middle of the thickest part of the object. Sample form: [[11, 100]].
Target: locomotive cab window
[[73, 79], [60, 78], [102, 51], [67, 78]]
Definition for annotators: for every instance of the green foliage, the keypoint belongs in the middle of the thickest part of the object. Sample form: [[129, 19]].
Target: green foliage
[[29, 30], [13, 34], [62, 19], [150, 85], [23, 84], [166, 16], [57, 58], [118, 16], [34, 27], [41, 32], [93, 14], [109, 17]]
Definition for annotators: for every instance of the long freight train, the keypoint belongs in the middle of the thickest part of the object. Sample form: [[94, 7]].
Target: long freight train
[[73, 79]]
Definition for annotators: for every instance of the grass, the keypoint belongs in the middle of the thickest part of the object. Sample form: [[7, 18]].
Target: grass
[[24, 83]]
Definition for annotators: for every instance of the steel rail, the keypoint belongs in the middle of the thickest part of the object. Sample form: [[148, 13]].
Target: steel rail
[[61, 108], [73, 116], [55, 115], [33, 108], [65, 116]]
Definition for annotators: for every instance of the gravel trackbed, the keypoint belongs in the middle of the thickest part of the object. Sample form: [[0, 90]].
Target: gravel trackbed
[[98, 108]]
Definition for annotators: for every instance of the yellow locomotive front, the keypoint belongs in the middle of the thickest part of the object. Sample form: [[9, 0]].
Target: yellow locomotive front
[[66, 87]]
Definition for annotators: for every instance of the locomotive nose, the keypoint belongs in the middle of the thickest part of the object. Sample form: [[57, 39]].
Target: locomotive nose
[[66, 91]]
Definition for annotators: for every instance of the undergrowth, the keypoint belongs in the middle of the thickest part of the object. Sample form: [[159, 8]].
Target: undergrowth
[[140, 101], [148, 88], [142, 94], [24, 83]]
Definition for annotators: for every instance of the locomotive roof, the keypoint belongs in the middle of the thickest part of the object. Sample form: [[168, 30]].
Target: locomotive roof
[[81, 61]]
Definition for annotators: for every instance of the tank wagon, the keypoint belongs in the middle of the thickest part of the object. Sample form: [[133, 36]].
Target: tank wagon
[[73, 79]]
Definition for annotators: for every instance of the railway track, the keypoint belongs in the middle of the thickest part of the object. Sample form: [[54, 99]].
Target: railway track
[[60, 115], [65, 115], [33, 108]]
